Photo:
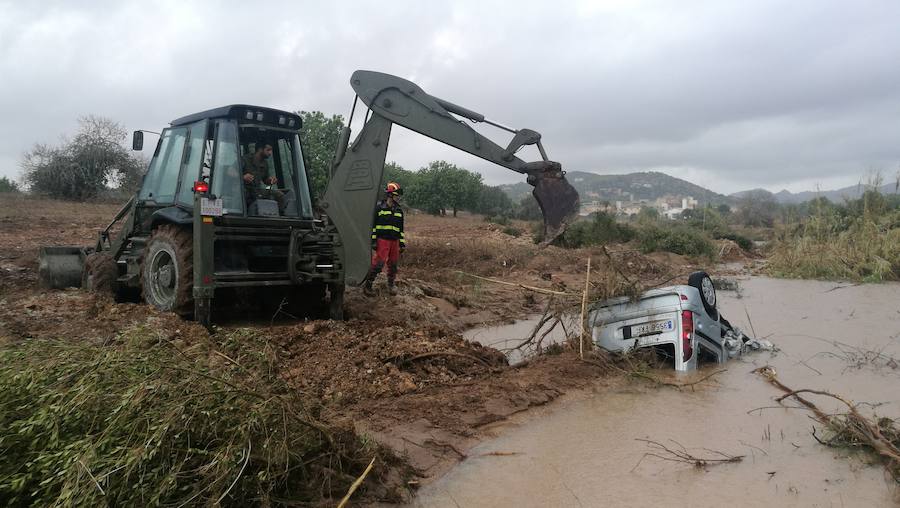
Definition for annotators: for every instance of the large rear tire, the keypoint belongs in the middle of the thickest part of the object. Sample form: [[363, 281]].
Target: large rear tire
[[100, 273], [167, 270]]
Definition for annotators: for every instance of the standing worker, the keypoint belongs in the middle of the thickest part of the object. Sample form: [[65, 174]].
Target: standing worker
[[387, 238]]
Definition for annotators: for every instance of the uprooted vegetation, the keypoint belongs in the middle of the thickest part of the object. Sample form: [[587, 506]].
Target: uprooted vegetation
[[146, 420], [852, 429]]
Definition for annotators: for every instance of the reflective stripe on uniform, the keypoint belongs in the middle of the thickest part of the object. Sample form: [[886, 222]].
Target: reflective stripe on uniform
[[388, 228]]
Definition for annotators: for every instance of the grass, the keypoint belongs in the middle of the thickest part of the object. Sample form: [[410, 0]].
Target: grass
[[863, 247], [145, 421]]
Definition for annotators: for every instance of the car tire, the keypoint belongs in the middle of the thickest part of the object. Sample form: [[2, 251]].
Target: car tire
[[707, 290], [167, 271]]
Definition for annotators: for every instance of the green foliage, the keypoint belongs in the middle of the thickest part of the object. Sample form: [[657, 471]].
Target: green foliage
[[647, 215], [679, 239], [442, 186], [319, 136], [706, 219], [7, 185], [528, 209], [756, 208], [85, 166], [512, 231], [742, 241], [393, 172], [602, 228], [493, 201], [148, 422], [501, 220], [858, 241]]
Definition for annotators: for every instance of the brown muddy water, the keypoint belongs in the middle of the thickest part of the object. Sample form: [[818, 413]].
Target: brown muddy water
[[508, 338], [584, 450]]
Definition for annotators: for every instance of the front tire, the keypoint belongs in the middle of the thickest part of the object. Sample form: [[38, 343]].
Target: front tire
[[167, 270], [100, 273]]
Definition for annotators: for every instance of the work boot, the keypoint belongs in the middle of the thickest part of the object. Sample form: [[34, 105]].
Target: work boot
[[392, 289], [367, 284]]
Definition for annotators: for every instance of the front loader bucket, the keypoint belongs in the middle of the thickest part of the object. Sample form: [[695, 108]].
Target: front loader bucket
[[558, 201], [61, 267]]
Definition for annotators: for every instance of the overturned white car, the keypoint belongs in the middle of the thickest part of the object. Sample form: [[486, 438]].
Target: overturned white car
[[681, 322]]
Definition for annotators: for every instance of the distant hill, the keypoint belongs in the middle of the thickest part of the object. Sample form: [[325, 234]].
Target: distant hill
[[629, 187], [837, 196]]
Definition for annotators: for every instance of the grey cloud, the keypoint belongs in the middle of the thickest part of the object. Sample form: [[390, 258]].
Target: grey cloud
[[741, 94]]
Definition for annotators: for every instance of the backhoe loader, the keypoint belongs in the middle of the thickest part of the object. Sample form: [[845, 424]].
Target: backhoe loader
[[197, 226]]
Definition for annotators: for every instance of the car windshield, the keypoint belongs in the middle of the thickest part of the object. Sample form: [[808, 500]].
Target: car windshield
[[259, 171]]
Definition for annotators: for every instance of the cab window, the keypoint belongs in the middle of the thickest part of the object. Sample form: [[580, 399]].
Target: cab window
[[226, 180], [162, 175], [193, 157]]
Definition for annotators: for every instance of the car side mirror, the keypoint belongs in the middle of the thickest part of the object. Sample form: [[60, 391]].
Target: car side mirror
[[137, 141]]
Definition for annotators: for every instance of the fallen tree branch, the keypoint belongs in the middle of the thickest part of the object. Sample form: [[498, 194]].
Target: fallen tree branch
[[852, 428], [523, 286], [356, 484], [681, 454]]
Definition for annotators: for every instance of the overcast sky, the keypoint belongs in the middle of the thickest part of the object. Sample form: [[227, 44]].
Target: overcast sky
[[729, 95]]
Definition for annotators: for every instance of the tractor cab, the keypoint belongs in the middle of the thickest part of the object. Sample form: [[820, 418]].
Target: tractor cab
[[216, 151]]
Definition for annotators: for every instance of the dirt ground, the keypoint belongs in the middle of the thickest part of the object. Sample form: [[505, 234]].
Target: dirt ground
[[397, 368]]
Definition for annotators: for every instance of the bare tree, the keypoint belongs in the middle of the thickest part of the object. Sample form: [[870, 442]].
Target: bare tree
[[81, 168]]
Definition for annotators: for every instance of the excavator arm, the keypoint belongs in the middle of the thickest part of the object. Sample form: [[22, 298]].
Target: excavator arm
[[355, 183]]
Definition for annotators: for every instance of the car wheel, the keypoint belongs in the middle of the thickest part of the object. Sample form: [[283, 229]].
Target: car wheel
[[167, 272], [704, 285]]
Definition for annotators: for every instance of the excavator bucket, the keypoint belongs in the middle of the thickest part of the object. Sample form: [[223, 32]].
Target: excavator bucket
[[558, 201], [61, 267]]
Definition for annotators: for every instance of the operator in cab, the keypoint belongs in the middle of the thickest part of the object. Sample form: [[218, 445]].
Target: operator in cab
[[256, 175], [388, 240]]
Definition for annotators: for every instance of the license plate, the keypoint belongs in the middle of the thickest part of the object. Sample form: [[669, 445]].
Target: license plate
[[211, 207], [653, 327]]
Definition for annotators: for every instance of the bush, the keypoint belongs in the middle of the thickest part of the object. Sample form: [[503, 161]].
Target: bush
[[601, 229], [512, 231], [85, 166], [500, 220], [677, 239], [742, 241], [7, 185]]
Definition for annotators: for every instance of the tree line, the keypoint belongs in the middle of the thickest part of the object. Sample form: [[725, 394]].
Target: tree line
[[96, 160]]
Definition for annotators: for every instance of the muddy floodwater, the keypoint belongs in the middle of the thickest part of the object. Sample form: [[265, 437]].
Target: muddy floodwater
[[584, 449], [506, 338]]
